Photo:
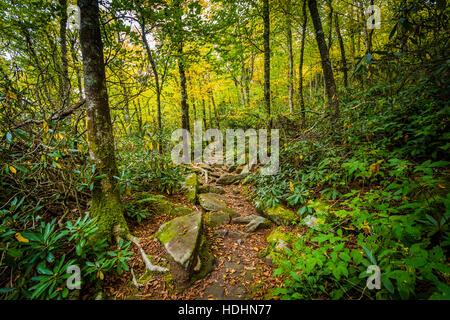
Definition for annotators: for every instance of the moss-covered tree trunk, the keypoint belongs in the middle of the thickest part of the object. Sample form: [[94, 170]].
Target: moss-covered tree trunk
[[106, 204]]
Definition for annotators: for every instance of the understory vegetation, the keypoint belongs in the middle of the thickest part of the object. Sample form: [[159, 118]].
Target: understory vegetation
[[365, 167]]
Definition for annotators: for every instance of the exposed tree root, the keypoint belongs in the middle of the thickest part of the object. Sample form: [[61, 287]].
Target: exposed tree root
[[119, 233]]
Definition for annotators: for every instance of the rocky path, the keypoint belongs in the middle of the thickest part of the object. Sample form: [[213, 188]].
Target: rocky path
[[240, 269]]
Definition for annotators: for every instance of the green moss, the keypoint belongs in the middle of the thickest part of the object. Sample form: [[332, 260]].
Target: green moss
[[207, 261], [181, 211], [280, 215], [191, 187], [278, 234], [166, 233], [107, 208]]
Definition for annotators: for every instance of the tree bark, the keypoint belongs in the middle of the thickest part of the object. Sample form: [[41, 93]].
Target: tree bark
[[330, 85], [330, 31], [106, 203], [291, 57], [215, 110], [64, 91], [266, 37], [183, 90], [204, 113], [300, 67], [158, 85], [341, 46]]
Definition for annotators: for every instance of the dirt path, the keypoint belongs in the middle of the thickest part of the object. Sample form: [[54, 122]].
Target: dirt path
[[240, 270]]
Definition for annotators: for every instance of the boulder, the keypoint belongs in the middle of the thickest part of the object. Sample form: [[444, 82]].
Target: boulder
[[211, 189], [217, 218], [180, 211], [253, 222], [227, 179], [190, 187], [159, 204], [214, 202], [245, 219], [257, 223], [181, 237], [280, 215], [280, 240]]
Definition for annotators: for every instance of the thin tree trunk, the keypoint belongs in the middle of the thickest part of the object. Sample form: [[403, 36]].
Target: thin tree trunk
[[63, 44], [204, 113], [330, 31], [291, 57], [341, 46], [210, 115], [73, 53], [183, 90], [300, 67], [194, 109], [215, 110], [106, 203], [158, 86], [266, 37], [330, 85]]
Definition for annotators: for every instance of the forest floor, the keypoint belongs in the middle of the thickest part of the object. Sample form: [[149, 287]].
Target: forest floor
[[240, 269]]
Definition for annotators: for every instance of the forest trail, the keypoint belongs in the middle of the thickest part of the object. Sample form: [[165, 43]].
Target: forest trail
[[240, 270]]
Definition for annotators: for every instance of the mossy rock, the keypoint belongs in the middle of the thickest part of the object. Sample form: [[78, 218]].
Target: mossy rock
[[191, 185], [214, 202], [217, 218], [181, 237], [278, 234], [211, 189], [280, 215], [227, 179], [159, 204], [181, 211], [206, 260], [279, 241]]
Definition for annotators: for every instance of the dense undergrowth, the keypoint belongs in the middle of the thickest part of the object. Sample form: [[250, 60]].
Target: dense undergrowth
[[380, 196]]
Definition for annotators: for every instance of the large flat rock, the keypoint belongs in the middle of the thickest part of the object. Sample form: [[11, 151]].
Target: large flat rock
[[180, 238], [214, 202], [280, 215]]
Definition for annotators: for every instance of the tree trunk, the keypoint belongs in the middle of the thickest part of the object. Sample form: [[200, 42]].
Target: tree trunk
[[330, 85], [210, 115], [300, 67], [215, 110], [341, 46], [183, 90], [158, 86], [204, 113], [106, 203], [291, 57], [266, 37], [64, 91], [194, 109], [73, 54]]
